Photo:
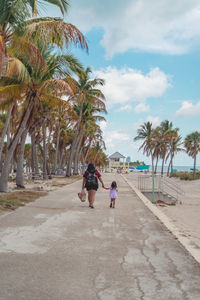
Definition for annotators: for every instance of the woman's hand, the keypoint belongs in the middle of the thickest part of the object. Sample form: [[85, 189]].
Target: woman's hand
[[106, 188]]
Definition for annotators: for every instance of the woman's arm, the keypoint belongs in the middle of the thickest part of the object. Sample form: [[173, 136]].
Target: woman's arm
[[100, 179]]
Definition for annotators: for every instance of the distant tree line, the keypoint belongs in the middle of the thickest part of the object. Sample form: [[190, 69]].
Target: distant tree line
[[164, 142]]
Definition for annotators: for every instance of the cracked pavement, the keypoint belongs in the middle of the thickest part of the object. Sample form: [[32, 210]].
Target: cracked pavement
[[57, 248]]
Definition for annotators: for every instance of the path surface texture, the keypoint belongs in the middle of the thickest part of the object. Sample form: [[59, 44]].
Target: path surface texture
[[57, 248]]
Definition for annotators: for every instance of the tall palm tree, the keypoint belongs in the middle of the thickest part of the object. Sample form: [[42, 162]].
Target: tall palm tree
[[192, 146], [13, 23], [30, 83], [86, 91], [164, 128], [174, 140], [145, 132]]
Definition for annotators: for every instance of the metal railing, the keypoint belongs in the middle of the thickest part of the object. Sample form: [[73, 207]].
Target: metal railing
[[162, 185]]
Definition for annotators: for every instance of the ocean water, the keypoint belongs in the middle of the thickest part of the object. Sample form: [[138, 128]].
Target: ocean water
[[178, 168]]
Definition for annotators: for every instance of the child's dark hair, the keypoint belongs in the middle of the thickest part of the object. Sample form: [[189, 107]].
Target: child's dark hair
[[114, 185]]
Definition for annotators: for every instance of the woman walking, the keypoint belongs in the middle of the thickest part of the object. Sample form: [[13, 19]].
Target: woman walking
[[90, 182]]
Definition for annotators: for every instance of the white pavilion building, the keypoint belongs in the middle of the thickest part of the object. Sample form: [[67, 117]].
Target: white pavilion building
[[117, 161]]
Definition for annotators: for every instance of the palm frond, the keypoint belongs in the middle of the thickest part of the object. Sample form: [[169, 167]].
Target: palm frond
[[55, 31], [99, 118], [14, 91], [2, 53], [62, 4], [21, 47], [13, 13], [56, 85], [16, 69], [53, 100]]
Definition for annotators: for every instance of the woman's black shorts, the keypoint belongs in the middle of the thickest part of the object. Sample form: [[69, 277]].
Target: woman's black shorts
[[92, 187]]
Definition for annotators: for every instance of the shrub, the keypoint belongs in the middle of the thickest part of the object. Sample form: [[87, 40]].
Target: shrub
[[186, 175]]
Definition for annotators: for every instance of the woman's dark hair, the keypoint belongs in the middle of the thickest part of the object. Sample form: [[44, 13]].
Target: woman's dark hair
[[91, 168], [114, 185]]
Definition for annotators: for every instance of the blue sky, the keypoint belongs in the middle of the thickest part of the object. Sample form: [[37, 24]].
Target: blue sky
[[149, 54]]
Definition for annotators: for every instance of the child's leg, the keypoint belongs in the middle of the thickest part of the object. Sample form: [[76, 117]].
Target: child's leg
[[110, 202], [113, 203]]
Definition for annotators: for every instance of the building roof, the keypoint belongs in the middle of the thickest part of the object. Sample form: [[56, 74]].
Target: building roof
[[116, 155]]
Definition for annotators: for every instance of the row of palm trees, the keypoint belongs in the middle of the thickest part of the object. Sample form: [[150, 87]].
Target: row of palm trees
[[164, 141], [46, 96]]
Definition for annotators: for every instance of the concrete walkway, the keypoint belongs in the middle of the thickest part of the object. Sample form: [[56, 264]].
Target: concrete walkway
[[59, 249]]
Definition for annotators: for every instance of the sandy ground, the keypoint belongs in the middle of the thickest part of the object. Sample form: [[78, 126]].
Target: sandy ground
[[186, 213], [45, 185], [41, 185]]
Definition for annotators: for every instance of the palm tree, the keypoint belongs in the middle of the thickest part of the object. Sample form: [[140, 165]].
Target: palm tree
[[174, 140], [88, 117], [192, 145], [86, 91], [145, 133], [164, 128], [30, 83], [13, 23]]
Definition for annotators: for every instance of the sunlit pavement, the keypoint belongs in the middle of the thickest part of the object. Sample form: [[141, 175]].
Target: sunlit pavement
[[59, 248]]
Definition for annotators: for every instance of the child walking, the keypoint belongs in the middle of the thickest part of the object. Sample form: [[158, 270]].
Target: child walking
[[113, 193]]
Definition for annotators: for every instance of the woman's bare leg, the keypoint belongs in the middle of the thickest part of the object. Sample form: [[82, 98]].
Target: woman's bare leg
[[89, 197], [93, 193]]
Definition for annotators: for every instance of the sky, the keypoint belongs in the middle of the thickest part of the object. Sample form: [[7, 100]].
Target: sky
[[148, 52]]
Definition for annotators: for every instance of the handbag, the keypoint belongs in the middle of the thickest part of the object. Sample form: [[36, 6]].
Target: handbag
[[82, 196]]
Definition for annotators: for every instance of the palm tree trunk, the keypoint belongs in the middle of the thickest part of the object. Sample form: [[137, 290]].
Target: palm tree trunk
[[156, 164], [5, 131], [32, 153], [169, 166], [34, 157], [57, 148], [162, 168], [20, 159], [87, 152], [71, 155], [49, 154], [76, 161], [13, 144], [172, 164], [194, 172], [74, 143], [44, 151]]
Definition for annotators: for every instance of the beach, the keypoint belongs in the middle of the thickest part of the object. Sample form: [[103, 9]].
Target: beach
[[185, 214]]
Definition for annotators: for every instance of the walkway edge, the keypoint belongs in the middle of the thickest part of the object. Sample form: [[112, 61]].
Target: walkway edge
[[189, 245]]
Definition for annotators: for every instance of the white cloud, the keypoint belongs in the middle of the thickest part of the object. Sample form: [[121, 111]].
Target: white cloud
[[130, 85], [154, 120], [114, 139], [126, 107], [142, 107], [103, 125], [165, 26], [188, 109]]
